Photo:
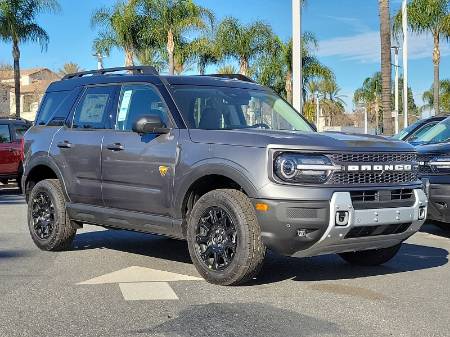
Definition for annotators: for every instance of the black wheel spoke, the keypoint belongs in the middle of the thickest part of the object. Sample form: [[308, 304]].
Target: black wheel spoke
[[216, 238], [43, 215]]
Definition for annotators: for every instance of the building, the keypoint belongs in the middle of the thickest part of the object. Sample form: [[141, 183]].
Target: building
[[33, 83]]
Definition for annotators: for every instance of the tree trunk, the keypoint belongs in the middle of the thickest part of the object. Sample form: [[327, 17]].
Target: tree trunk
[[16, 57], [288, 87], [170, 51], [436, 83], [129, 57], [202, 67], [243, 66], [386, 72]]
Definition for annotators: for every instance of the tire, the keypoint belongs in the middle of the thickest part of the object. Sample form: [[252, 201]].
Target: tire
[[374, 257], [240, 229], [50, 230]]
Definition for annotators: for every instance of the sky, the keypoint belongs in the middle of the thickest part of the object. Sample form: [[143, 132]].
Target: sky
[[347, 31]]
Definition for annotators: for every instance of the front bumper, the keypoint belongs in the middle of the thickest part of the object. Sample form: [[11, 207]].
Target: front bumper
[[305, 229]]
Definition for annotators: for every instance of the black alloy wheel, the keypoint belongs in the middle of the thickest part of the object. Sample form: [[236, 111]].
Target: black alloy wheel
[[43, 214], [216, 237]]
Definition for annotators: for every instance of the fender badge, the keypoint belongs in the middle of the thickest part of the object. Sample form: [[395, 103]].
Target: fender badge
[[163, 170]]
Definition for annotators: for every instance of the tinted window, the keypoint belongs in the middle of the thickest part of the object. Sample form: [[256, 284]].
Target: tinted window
[[93, 111], [5, 136], [20, 130], [422, 131], [136, 101], [216, 108], [55, 106]]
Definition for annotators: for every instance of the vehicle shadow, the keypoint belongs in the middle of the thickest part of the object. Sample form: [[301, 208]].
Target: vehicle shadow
[[276, 268]]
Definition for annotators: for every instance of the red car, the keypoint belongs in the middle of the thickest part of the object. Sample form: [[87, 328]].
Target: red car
[[11, 148]]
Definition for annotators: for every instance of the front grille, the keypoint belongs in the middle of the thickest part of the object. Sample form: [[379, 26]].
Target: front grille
[[402, 194], [346, 178], [423, 160], [382, 198], [364, 196], [364, 231], [343, 177], [373, 157]]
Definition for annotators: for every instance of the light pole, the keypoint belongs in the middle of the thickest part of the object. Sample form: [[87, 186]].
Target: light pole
[[396, 109], [297, 54], [365, 121], [405, 61], [317, 111], [99, 57]]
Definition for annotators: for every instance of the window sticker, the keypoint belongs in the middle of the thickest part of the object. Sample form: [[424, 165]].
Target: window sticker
[[124, 105], [93, 108]]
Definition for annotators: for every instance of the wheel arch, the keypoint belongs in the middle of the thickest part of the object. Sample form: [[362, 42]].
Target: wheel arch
[[205, 178], [39, 168]]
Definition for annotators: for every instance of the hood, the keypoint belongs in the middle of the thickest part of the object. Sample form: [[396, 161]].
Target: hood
[[329, 141], [438, 148]]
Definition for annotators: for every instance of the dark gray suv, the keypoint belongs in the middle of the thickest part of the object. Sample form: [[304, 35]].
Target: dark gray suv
[[221, 162]]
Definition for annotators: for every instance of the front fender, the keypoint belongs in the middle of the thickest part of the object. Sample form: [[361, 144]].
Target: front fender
[[212, 166]]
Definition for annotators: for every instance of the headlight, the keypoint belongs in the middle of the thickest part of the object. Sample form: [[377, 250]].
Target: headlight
[[303, 168], [440, 164]]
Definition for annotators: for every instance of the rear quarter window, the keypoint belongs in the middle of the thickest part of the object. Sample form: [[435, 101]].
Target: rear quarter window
[[55, 107]]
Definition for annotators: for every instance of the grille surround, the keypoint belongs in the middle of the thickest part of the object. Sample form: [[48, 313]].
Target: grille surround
[[342, 177]]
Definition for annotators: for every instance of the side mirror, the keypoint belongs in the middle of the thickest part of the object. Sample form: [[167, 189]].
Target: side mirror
[[150, 124]]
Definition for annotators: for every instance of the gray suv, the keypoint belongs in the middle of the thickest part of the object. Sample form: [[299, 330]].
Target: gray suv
[[221, 162]]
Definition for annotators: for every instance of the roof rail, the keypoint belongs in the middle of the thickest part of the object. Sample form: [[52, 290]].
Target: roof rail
[[238, 77], [136, 70]]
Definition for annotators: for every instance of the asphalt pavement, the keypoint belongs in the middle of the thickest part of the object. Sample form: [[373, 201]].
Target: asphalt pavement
[[117, 283]]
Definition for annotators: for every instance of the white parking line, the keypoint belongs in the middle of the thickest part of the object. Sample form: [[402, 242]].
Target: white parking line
[[147, 291]]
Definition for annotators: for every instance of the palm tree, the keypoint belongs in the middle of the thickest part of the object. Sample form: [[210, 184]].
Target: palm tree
[[444, 97], [152, 57], [274, 69], [69, 68], [205, 51], [168, 21], [433, 17], [119, 27], [18, 25], [369, 95], [386, 70], [244, 43], [227, 69]]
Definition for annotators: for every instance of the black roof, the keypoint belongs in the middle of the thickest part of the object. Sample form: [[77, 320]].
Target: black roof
[[148, 74]]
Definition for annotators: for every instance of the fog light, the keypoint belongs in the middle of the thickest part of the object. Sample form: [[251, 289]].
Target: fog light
[[342, 218], [422, 212]]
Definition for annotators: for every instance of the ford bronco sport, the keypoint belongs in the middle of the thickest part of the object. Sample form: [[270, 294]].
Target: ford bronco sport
[[221, 162]]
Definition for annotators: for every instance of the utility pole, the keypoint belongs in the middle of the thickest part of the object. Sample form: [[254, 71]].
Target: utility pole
[[405, 61], [317, 111], [396, 109], [297, 54], [99, 57], [365, 121]]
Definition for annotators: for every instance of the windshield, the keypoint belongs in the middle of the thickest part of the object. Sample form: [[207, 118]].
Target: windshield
[[225, 108], [438, 134], [402, 134]]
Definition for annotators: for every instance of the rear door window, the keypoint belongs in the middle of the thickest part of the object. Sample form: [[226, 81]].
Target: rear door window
[[94, 109], [5, 136]]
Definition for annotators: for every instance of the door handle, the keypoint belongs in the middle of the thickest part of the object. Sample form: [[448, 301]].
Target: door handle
[[64, 145], [115, 147]]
